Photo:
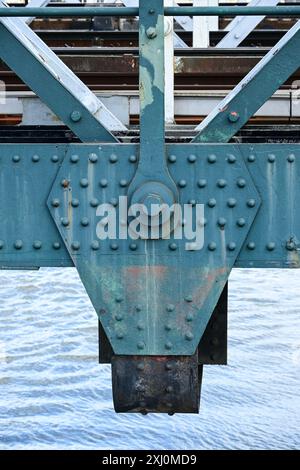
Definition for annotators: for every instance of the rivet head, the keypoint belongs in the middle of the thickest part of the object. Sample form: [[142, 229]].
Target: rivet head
[[140, 326], [192, 158], [202, 183], [1, 244], [103, 183], [221, 222], [119, 317], [241, 183], [75, 116], [182, 183], [168, 327], [211, 202], [114, 246], [133, 246], [241, 222], [95, 245], [233, 116], [251, 158], [65, 183], [211, 158], [54, 158], [94, 202], [113, 158], [16, 158], [231, 158], [35, 158], [138, 308], [231, 202], [18, 244], [172, 246], [251, 246], [56, 245], [119, 299], [55, 203], [85, 221], [168, 345], [172, 158], [189, 336], [141, 345], [84, 182], [114, 201], [271, 158], [65, 221], [251, 203], [93, 157], [75, 246], [221, 183], [189, 317], [192, 202], [212, 246], [291, 158], [120, 335], [170, 308], [188, 298], [231, 246], [74, 159], [151, 32], [132, 159], [123, 183], [75, 202], [290, 245], [37, 245], [270, 246]]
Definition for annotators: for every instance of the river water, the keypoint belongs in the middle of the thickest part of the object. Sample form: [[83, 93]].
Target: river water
[[54, 394]]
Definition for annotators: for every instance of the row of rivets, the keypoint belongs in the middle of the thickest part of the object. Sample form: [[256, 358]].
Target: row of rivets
[[35, 158], [37, 245], [211, 158], [93, 158]]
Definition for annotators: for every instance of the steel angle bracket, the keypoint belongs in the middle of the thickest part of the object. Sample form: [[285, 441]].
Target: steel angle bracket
[[154, 297]]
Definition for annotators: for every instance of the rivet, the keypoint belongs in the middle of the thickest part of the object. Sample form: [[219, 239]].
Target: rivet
[[84, 221], [189, 336], [168, 327], [102, 311], [74, 159], [133, 246], [192, 202], [141, 345], [132, 159], [188, 298], [291, 158], [84, 182], [151, 32], [94, 202], [251, 158], [271, 158], [192, 158], [169, 365], [212, 246], [35, 158], [231, 246], [37, 245], [75, 246], [241, 183], [182, 183], [93, 157], [119, 299], [55, 203], [202, 183], [211, 158], [221, 183], [172, 246], [1, 244], [65, 221], [16, 158], [113, 158], [75, 116], [114, 246], [290, 245], [189, 317], [75, 202], [138, 308], [120, 335], [231, 158], [114, 201], [151, 11], [65, 183], [221, 222], [172, 158], [18, 244], [231, 202], [54, 158], [170, 308], [270, 246], [251, 203], [140, 326], [168, 345], [140, 366], [169, 389], [233, 116], [103, 183], [95, 245], [251, 246], [241, 222], [119, 317], [123, 183], [211, 202], [56, 245]]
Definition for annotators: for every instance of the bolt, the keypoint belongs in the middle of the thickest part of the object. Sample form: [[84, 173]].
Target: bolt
[[75, 116], [233, 116], [151, 32]]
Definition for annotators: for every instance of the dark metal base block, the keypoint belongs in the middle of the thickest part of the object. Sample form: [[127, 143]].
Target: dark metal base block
[[156, 384]]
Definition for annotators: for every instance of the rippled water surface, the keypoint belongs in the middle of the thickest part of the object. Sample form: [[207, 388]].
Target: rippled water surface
[[54, 394]]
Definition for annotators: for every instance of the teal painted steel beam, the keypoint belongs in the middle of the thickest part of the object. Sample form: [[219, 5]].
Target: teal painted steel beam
[[54, 12], [252, 92]]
